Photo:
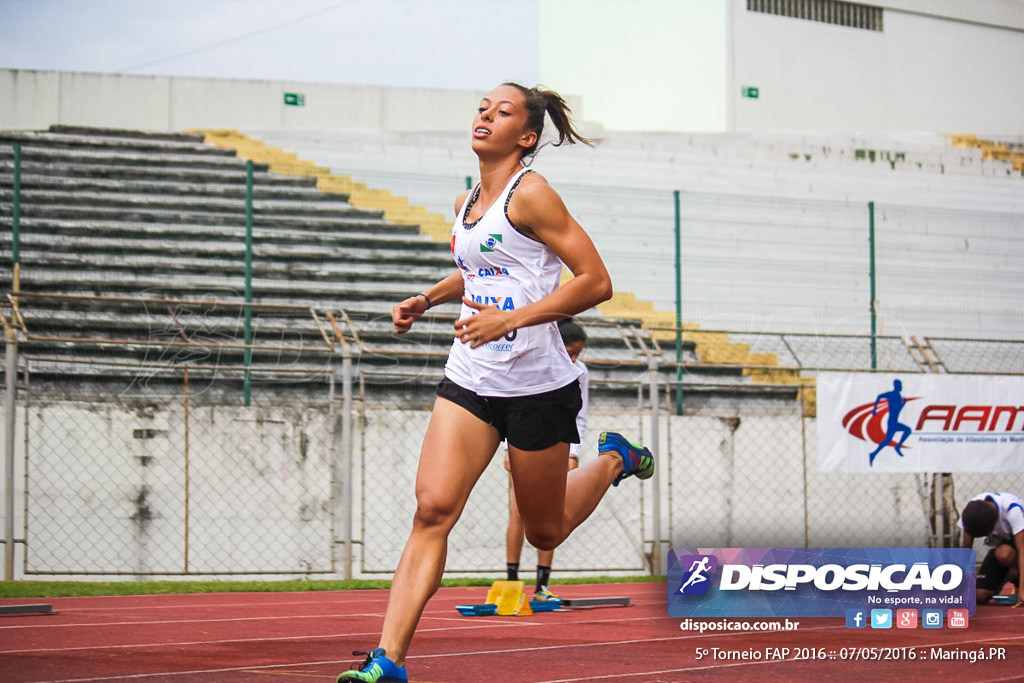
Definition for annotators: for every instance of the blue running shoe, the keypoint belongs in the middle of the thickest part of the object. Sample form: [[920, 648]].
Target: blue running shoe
[[376, 669], [636, 460]]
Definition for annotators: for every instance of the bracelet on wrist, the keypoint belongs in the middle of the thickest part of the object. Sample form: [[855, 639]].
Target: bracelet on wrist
[[429, 302]]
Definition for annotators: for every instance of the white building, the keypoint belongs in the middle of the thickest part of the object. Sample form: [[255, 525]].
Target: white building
[[789, 65]]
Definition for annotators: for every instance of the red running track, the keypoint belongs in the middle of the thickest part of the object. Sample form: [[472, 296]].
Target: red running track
[[277, 637]]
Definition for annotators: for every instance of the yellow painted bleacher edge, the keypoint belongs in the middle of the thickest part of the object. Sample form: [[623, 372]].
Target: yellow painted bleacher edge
[[990, 149]]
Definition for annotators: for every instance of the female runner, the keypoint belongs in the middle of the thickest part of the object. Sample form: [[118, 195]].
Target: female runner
[[508, 375]]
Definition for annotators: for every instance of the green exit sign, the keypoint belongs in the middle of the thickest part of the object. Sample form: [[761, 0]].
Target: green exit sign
[[295, 99], [751, 92]]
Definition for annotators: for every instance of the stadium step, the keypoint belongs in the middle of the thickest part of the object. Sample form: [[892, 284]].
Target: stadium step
[[140, 217]]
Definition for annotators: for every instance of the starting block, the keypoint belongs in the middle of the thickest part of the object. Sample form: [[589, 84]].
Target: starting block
[[1010, 599], [484, 610], [580, 603], [508, 598], [26, 609]]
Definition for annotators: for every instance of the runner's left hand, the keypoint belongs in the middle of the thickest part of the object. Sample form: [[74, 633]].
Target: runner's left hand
[[486, 325]]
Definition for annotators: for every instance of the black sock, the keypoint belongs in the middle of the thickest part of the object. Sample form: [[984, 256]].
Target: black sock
[[512, 571], [543, 576]]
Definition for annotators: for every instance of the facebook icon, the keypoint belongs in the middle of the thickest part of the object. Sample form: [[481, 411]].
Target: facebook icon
[[856, 618]]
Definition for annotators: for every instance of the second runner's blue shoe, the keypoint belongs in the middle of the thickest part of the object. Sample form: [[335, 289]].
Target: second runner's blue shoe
[[376, 669], [544, 595], [636, 460]]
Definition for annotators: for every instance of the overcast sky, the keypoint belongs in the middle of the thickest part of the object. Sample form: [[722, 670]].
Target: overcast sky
[[464, 44]]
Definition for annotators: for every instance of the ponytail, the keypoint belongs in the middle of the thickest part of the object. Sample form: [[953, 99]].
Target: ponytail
[[540, 102]]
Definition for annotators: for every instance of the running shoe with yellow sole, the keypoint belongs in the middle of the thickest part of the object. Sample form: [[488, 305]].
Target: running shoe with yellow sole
[[544, 595], [637, 461], [376, 669]]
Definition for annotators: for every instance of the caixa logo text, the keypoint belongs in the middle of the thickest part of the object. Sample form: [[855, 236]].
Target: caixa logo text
[[831, 577], [504, 303]]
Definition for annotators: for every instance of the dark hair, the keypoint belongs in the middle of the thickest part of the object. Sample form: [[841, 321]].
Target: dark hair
[[540, 102], [571, 331], [979, 518]]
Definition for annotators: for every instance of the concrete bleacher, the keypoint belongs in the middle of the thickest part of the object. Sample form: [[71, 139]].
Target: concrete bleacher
[[907, 168], [126, 217], [132, 250], [431, 218], [732, 186], [169, 220], [135, 215]]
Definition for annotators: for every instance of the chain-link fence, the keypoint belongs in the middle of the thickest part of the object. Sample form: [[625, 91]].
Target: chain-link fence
[[612, 540], [185, 438], [123, 481]]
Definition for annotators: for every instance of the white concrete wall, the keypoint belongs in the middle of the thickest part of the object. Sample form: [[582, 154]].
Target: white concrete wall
[[1006, 13], [105, 499], [680, 66], [258, 497], [922, 73], [649, 65], [37, 99]]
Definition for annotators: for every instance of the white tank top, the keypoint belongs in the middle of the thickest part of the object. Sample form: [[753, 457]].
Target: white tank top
[[504, 268]]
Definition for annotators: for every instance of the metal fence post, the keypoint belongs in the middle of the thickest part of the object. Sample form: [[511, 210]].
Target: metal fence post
[[341, 455], [652, 366], [247, 388], [16, 208], [679, 301], [11, 360], [871, 275], [11, 372], [346, 457]]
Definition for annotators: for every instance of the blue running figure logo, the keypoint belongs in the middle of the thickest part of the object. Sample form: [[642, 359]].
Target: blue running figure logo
[[696, 582], [894, 404]]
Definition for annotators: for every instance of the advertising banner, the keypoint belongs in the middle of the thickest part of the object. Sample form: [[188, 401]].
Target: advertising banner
[[871, 422], [819, 582]]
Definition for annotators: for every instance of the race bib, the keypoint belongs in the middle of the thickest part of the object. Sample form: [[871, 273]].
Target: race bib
[[512, 344]]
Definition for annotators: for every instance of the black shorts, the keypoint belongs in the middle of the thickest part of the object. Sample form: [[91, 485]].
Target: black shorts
[[992, 574], [530, 423]]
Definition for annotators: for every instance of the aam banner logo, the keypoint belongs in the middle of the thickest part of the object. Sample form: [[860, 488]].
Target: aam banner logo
[[817, 582], [920, 423], [865, 421]]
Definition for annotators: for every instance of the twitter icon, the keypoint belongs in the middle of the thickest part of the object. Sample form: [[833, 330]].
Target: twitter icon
[[881, 618]]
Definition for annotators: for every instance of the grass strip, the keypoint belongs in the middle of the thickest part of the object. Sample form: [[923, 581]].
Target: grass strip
[[63, 589]]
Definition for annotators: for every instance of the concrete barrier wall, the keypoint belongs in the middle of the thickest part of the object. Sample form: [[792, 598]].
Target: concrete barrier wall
[[114, 491], [34, 100]]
